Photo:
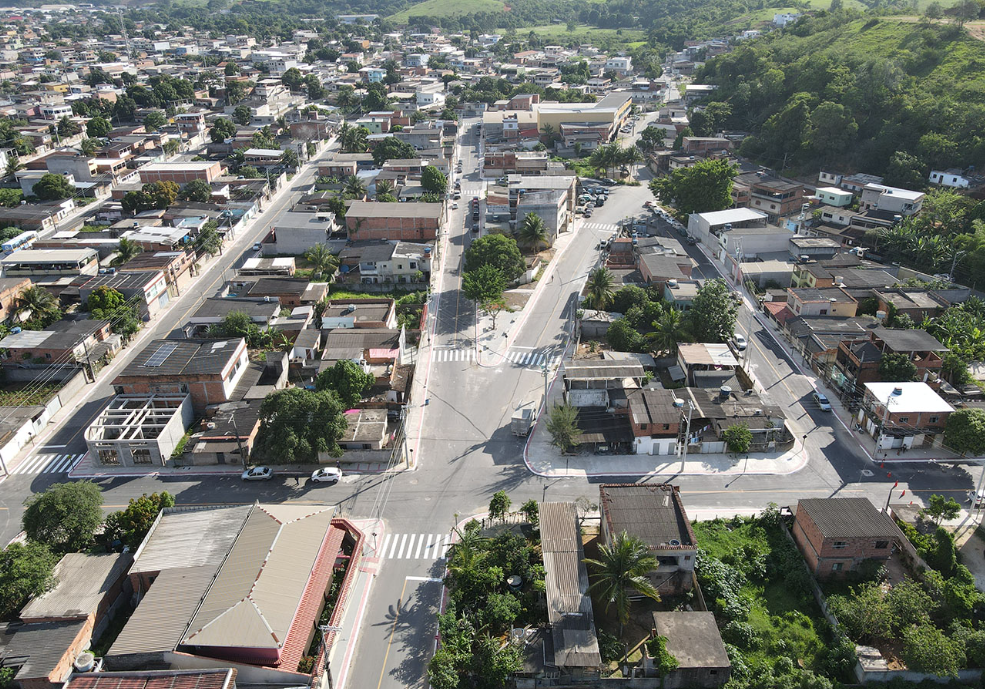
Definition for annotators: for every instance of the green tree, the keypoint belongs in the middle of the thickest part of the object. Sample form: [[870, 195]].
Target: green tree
[[533, 232], [669, 330], [208, 240], [41, 304], [628, 297], [98, 127], [242, 115], [941, 508], [483, 285], [621, 570], [221, 130], [154, 121], [499, 505], [965, 430], [831, 129], [197, 191], [231, 69], [622, 336], [494, 663], [353, 139], [934, 11], [702, 188], [89, 146], [313, 86], [64, 517], [906, 171], [126, 250], [235, 92], [563, 425], [68, 127], [235, 324], [321, 259], [354, 187], [433, 181], [290, 158], [928, 649], [392, 148], [347, 379], [52, 187], [130, 526], [531, 511], [104, 301], [292, 78], [250, 172], [26, 571], [713, 313], [498, 251], [10, 198], [376, 99], [738, 438], [296, 424], [599, 288], [896, 367]]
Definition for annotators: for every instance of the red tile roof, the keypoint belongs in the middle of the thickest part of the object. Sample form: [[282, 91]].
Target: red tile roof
[[779, 310]]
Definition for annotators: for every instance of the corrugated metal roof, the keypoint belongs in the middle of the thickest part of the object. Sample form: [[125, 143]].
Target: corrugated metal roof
[[83, 581], [190, 538], [262, 582], [37, 649], [848, 518], [156, 679], [602, 369], [160, 620], [566, 587], [653, 513]]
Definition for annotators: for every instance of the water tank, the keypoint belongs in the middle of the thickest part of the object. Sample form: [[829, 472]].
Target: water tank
[[674, 541], [882, 315], [85, 661], [898, 391], [514, 581], [16, 329], [839, 280], [804, 258], [427, 251], [728, 227], [725, 391], [672, 283]]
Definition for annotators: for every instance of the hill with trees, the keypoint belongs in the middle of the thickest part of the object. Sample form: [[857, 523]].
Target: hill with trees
[[879, 95]]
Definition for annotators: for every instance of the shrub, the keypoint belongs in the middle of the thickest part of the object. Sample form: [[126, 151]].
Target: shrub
[[927, 649], [740, 634]]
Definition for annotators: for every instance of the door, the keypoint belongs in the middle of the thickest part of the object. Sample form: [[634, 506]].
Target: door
[[220, 458]]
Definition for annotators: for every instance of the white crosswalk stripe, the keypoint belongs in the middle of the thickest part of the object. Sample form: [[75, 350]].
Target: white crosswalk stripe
[[452, 355], [415, 546], [47, 464], [599, 226]]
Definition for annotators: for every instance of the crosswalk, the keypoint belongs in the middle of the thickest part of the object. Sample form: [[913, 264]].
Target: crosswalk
[[519, 357], [47, 464], [610, 227], [469, 192], [415, 546]]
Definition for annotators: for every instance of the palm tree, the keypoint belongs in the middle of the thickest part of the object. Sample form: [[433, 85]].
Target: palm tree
[[346, 98], [599, 288], [533, 232], [320, 257], [622, 568], [127, 250], [89, 146], [354, 187], [669, 330], [630, 156], [41, 303], [384, 186]]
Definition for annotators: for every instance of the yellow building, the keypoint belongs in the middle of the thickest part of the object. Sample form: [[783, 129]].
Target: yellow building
[[612, 110]]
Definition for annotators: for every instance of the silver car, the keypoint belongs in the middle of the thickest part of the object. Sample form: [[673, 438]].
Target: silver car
[[327, 475], [261, 473]]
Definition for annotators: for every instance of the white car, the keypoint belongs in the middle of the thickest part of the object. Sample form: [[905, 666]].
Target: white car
[[455, 206], [739, 341], [258, 474], [822, 401], [327, 475]]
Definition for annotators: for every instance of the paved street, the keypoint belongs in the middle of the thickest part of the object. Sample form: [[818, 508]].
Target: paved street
[[466, 451]]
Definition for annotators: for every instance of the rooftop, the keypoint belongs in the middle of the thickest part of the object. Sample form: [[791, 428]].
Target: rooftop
[[732, 215], [913, 398], [373, 209], [83, 581], [692, 638], [169, 358], [652, 512], [848, 518], [909, 340], [706, 353], [155, 679]]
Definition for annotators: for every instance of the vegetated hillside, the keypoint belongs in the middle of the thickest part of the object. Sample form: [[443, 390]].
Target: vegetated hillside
[[445, 8], [880, 95]]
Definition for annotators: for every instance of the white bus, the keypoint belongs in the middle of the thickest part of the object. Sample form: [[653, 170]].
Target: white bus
[[25, 240]]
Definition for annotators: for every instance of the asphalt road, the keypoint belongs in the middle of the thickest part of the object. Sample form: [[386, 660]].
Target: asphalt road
[[466, 450]]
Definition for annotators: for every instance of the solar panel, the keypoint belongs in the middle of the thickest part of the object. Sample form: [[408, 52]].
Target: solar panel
[[162, 353]]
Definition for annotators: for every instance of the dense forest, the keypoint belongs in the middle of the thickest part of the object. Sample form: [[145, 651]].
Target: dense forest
[[879, 95]]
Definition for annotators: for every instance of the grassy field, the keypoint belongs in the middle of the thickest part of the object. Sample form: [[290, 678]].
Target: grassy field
[[560, 32], [443, 8]]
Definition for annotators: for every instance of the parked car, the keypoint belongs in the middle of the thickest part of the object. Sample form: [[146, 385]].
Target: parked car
[[258, 474], [327, 475], [739, 341], [588, 212], [822, 401], [257, 246], [691, 241], [475, 227], [455, 206]]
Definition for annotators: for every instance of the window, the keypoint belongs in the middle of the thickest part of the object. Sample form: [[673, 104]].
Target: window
[[413, 265], [667, 426], [881, 545], [823, 312], [47, 355], [839, 545], [932, 419], [109, 456], [643, 426], [902, 419], [142, 456], [836, 566]]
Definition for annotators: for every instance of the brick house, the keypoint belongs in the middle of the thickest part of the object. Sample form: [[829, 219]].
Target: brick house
[[857, 361], [10, 291], [400, 221], [655, 419], [836, 535], [829, 301], [180, 173], [656, 515], [207, 370], [60, 343], [903, 414]]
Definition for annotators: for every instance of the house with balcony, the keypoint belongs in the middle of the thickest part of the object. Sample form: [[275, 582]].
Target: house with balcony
[[775, 196], [829, 301], [857, 361], [890, 199], [903, 414], [655, 514]]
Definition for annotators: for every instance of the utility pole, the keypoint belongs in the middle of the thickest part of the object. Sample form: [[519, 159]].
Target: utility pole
[[239, 443], [955, 260], [683, 450], [544, 372]]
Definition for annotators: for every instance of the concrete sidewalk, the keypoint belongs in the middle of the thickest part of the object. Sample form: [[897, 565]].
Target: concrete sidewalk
[[344, 642], [86, 468]]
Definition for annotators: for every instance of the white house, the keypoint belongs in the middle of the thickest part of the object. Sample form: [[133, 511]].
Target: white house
[[890, 199], [620, 65], [949, 178]]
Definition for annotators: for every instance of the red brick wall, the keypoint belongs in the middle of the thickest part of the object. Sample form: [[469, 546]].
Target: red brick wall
[[822, 553], [204, 391]]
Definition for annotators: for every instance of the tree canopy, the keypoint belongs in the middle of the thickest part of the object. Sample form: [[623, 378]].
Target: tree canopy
[[26, 570], [496, 250], [52, 187], [198, 191], [713, 312], [433, 181], [347, 379], [65, 516], [130, 525], [965, 430], [701, 188], [296, 424], [392, 148]]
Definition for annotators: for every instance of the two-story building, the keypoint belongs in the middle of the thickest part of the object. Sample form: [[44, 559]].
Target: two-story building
[[400, 221], [903, 414], [890, 199], [148, 291], [836, 535], [829, 301], [857, 361], [655, 419]]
